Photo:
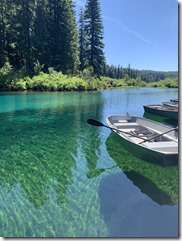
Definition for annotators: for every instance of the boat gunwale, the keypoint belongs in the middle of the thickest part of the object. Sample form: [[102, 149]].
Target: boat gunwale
[[163, 108]]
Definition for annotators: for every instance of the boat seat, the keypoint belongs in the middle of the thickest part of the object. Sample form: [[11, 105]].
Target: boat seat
[[160, 144], [136, 140], [126, 125], [122, 121], [126, 130]]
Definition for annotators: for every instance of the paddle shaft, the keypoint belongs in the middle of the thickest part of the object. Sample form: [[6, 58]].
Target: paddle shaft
[[158, 135], [97, 123]]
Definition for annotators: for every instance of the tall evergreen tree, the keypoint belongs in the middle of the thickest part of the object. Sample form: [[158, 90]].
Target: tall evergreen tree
[[9, 33], [24, 18], [62, 35], [53, 23], [82, 42], [94, 30], [70, 38], [40, 34], [3, 37], [13, 32]]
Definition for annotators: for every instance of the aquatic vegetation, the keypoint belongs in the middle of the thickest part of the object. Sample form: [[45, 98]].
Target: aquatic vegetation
[[54, 166]]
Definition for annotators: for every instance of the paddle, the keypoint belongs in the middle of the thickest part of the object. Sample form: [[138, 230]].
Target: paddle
[[97, 123], [176, 128]]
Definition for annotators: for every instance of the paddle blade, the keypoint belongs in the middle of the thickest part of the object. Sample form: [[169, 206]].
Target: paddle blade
[[94, 122]]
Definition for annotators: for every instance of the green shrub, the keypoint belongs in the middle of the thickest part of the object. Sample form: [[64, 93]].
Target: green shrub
[[88, 73], [56, 81], [166, 83], [19, 85]]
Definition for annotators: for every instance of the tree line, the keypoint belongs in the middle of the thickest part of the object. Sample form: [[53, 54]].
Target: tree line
[[119, 72]]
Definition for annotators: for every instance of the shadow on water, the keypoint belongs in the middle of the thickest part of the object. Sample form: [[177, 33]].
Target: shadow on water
[[149, 188], [140, 201], [128, 213], [161, 119], [150, 178]]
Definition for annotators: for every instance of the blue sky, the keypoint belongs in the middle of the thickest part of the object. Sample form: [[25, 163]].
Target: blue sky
[[142, 33]]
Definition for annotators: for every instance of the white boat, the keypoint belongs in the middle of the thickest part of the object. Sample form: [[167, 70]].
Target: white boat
[[171, 104], [147, 139], [162, 110]]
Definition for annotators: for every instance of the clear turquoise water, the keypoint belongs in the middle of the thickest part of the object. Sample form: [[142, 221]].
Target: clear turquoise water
[[60, 177]]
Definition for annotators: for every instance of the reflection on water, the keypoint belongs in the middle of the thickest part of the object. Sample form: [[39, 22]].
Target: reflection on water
[[149, 188], [56, 171], [144, 196], [159, 183], [129, 213], [164, 120]]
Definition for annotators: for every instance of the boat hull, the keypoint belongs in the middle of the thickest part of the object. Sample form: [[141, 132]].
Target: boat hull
[[171, 114], [164, 160]]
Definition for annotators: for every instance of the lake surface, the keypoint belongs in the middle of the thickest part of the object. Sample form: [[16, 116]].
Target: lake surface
[[61, 177]]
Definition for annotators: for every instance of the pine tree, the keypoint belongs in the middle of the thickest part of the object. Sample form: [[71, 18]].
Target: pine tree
[[62, 35], [11, 33], [40, 34], [82, 42], [24, 26], [94, 30], [70, 38], [3, 32]]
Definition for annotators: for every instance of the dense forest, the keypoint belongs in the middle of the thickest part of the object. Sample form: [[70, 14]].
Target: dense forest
[[35, 34], [39, 36], [118, 72]]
